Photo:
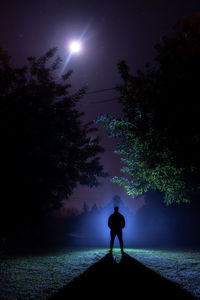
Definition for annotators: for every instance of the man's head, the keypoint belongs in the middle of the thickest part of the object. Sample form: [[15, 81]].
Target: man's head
[[116, 208]]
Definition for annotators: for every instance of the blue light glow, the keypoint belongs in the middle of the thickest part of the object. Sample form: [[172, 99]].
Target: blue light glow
[[92, 228]]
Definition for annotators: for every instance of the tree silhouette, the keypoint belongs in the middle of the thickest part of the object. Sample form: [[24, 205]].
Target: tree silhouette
[[159, 133], [45, 148]]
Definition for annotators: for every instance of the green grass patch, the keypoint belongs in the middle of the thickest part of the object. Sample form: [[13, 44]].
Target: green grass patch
[[182, 267], [39, 276]]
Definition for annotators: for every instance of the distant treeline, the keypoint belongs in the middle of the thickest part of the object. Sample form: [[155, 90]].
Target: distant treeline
[[154, 225]]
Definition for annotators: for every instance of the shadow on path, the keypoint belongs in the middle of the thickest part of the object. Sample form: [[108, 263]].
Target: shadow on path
[[128, 278]]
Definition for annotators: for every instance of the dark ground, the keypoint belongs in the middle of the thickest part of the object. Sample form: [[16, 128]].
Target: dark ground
[[128, 278]]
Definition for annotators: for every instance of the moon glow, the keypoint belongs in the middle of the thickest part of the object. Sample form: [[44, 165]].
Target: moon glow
[[75, 47]]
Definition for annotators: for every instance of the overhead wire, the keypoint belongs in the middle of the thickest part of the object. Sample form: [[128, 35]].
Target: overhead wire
[[100, 91], [103, 101]]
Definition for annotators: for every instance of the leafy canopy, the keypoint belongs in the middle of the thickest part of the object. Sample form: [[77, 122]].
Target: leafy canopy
[[159, 133], [45, 150]]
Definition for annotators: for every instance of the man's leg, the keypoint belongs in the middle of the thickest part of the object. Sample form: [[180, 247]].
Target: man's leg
[[119, 234], [112, 238]]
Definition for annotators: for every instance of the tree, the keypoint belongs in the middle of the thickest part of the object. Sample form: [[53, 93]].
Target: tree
[[45, 150], [159, 134]]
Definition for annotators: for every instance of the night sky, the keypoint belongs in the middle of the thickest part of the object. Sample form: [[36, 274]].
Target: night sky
[[114, 30]]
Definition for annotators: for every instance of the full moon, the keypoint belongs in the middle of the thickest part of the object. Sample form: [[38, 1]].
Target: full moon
[[75, 46]]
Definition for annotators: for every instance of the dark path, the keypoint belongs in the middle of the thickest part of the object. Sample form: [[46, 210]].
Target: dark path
[[128, 278]]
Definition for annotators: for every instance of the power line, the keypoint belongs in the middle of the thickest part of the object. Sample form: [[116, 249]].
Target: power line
[[100, 91], [103, 101], [98, 102]]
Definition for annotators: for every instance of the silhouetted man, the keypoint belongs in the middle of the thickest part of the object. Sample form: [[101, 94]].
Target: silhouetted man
[[116, 222]]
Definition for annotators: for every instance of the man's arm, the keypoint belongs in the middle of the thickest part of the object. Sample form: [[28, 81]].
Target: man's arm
[[110, 222], [123, 222]]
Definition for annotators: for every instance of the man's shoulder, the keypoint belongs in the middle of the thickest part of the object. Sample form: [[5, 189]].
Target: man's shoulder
[[121, 215]]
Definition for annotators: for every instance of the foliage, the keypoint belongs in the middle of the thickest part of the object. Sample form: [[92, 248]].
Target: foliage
[[159, 134], [45, 149]]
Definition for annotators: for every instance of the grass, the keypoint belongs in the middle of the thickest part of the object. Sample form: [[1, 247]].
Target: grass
[[39, 276], [182, 267]]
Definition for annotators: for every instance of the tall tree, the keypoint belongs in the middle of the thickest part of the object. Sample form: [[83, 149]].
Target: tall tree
[[45, 148], [159, 133]]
